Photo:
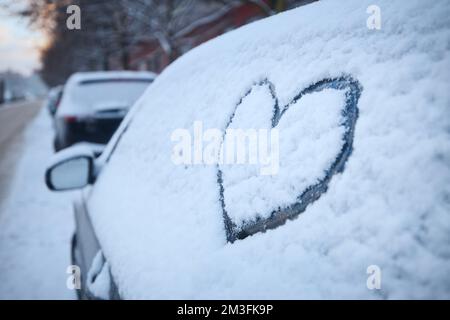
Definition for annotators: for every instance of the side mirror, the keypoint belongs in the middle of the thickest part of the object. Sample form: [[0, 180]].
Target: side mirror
[[72, 168]]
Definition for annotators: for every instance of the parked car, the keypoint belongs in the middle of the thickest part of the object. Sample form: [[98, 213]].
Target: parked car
[[53, 99], [361, 189], [94, 104]]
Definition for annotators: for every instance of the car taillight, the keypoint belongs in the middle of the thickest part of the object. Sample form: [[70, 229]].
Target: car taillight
[[70, 119]]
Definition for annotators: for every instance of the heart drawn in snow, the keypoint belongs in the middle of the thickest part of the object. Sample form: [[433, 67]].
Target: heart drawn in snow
[[315, 140]]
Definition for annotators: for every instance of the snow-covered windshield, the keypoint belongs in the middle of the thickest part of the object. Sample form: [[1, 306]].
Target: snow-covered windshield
[[162, 221], [109, 94]]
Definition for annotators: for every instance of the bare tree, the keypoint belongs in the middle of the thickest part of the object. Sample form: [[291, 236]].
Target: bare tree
[[108, 29], [111, 29], [163, 19]]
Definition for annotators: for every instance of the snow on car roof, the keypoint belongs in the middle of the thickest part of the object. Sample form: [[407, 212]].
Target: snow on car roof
[[161, 224], [100, 75], [77, 102]]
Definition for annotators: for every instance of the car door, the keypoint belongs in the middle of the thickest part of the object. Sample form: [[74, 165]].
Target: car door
[[85, 245], [85, 249]]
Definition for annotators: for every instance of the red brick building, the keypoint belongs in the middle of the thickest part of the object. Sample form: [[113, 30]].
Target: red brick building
[[149, 55]]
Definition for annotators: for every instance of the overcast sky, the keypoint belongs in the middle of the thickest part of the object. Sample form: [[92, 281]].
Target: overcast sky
[[18, 44]]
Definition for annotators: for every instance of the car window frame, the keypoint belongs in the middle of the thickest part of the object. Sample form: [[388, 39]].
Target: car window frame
[[117, 137]]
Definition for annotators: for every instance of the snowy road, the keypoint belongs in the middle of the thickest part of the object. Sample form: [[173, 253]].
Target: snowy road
[[35, 224], [13, 119]]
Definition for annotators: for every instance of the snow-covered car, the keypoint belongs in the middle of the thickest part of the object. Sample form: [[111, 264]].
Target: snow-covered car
[[94, 104], [355, 203], [54, 99]]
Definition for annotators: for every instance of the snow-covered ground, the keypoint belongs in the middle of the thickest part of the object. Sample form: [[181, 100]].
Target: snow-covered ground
[[35, 225]]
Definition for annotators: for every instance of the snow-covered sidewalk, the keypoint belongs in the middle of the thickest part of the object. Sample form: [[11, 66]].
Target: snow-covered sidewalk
[[35, 225]]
